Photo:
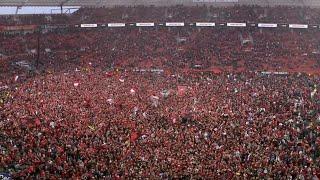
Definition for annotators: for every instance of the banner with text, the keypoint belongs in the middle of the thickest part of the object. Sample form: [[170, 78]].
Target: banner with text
[[298, 26], [267, 25], [205, 24], [236, 24], [144, 24], [174, 24], [89, 25], [116, 24]]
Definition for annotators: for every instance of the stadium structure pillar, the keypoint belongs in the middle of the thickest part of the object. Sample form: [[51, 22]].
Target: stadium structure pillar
[[17, 10]]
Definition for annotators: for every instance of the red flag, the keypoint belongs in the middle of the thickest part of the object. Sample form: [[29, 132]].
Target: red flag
[[37, 122], [134, 136], [109, 74], [182, 90]]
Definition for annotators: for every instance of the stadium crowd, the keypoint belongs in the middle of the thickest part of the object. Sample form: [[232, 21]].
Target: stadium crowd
[[183, 48], [125, 124], [163, 103]]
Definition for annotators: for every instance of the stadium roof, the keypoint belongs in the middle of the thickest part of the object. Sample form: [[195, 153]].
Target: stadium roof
[[108, 3]]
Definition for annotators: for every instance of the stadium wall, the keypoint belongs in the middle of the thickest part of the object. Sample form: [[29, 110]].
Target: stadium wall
[[112, 3]]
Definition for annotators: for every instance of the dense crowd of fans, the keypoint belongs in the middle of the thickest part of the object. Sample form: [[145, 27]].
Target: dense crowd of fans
[[124, 124], [188, 47], [160, 102]]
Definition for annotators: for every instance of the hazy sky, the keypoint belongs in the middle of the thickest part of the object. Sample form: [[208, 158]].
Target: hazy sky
[[33, 10]]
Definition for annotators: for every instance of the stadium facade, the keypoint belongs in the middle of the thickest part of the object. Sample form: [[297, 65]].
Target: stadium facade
[[111, 3]]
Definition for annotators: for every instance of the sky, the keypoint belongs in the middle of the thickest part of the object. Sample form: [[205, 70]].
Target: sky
[[35, 10]]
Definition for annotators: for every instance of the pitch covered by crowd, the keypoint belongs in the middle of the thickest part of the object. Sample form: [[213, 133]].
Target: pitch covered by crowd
[[162, 103], [129, 124]]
